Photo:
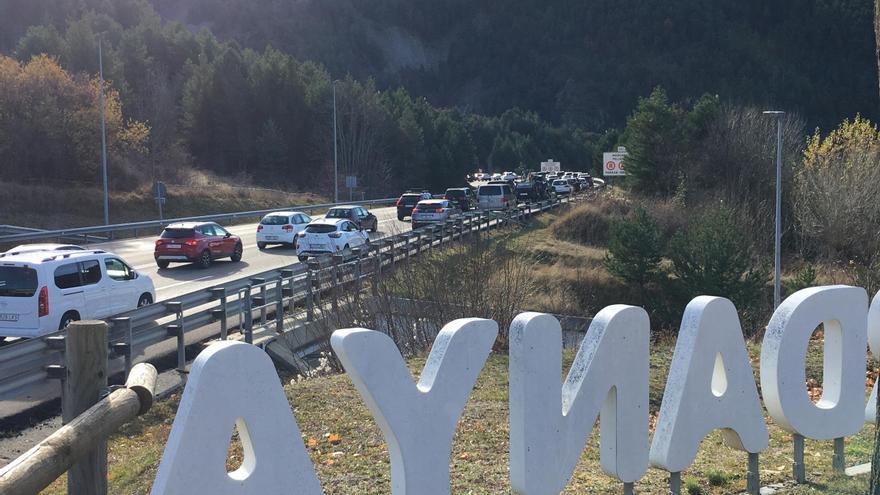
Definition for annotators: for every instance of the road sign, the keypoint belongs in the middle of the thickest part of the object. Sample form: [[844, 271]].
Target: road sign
[[351, 181], [550, 166], [613, 162], [159, 190]]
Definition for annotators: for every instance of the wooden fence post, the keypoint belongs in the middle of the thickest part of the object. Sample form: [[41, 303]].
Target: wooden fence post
[[86, 355]]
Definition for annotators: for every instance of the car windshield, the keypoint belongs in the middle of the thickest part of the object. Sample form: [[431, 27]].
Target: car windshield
[[523, 186], [275, 220], [17, 281], [560, 183], [410, 199], [490, 191], [338, 213], [178, 233], [320, 228]]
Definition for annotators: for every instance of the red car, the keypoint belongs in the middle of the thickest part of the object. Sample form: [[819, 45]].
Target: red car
[[198, 242]]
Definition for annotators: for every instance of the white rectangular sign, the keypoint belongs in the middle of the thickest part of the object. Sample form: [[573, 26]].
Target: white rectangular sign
[[612, 162], [550, 166]]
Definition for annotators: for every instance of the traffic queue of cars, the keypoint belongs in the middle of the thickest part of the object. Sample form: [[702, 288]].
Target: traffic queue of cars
[[43, 287]]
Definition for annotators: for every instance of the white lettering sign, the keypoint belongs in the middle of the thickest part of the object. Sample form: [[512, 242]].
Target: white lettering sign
[[549, 425], [710, 386]]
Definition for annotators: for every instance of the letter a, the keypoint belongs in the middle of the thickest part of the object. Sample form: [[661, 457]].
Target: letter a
[[549, 425], [710, 386], [232, 383], [418, 420]]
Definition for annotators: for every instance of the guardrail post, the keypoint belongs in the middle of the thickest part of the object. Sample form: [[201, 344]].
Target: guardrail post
[[221, 312], [248, 316], [279, 305], [310, 288], [124, 348], [406, 248], [262, 283], [337, 260], [377, 275], [177, 330], [86, 354], [358, 270]]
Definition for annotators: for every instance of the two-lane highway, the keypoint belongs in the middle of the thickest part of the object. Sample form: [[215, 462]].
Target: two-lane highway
[[186, 277]]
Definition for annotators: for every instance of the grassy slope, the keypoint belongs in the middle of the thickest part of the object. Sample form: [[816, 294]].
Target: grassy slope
[[44, 206]]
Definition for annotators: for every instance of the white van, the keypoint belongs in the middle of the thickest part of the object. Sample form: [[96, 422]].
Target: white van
[[496, 197], [43, 291]]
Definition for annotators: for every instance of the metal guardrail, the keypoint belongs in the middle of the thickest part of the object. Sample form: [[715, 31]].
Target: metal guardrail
[[110, 230], [26, 363]]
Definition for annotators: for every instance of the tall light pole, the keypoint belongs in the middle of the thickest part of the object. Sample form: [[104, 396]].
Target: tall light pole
[[103, 135], [778, 241], [335, 154]]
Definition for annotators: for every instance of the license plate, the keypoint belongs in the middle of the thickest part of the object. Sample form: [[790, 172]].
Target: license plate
[[8, 317], [318, 246], [173, 246], [271, 237]]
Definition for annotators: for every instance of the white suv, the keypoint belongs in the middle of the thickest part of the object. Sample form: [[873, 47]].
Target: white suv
[[43, 291], [281, 227], [330, 236]]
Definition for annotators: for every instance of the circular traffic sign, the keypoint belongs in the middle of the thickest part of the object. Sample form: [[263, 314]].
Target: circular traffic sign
[[610, 165]]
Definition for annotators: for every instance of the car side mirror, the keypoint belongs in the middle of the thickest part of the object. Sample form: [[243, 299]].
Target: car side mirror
[[228, 235]]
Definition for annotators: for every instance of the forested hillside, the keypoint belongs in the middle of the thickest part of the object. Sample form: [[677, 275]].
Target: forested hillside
[[579, 62], [427, 90]]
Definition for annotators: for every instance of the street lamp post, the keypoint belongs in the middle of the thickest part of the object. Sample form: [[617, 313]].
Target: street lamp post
[[103, 135], [778, 237], [335, 153]]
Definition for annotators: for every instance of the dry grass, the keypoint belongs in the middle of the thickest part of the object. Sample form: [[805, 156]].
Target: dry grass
[[81, 205], [358, 463]]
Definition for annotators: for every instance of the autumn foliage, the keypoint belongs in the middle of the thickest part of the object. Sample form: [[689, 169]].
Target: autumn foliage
[[50, 123]]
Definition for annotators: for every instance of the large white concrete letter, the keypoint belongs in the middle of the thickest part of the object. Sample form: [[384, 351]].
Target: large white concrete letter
[[710, 386], [839, 412], [233, 383], [549, 425], [874, 346], [418, 420]]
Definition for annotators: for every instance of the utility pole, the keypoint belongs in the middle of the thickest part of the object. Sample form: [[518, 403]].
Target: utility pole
[[778, 237], [103, 134], [335, 153]]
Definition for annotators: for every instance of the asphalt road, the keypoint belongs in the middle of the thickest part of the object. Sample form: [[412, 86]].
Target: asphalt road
[[182, 278]]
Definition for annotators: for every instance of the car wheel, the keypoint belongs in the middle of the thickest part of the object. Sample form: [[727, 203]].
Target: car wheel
[[375, 227], [204, 259], [400, 217], [236, 253], [67, 319], [302, 259], [346, 252], [145, 300], [162, 264], [261, 245]]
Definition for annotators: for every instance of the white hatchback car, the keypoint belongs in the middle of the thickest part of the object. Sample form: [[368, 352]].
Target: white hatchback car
[[330, 236], [43, 291], [562, 187], [281, 227]]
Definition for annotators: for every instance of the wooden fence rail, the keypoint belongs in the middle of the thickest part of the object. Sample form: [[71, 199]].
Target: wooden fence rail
[[80, 445]]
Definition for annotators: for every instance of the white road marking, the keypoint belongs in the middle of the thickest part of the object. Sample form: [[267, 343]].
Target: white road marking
[[178, 284]]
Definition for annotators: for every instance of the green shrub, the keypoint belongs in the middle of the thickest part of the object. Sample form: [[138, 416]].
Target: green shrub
[[635, 249], [804, 278], [712, 258], [693, 488], [717, 478], [590, 223]]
